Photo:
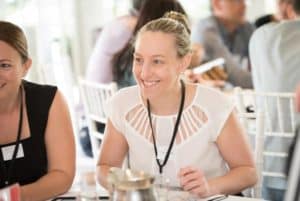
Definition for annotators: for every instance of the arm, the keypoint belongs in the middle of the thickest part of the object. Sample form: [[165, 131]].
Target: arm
[[99, 68], [242, 172], [60, 146], [114, 147], [215, 48], [236, 152], [236, 75], [298, 98]]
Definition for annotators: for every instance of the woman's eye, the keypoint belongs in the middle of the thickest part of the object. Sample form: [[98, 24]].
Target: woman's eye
[[5, 65], [157, 61], [137, 60]]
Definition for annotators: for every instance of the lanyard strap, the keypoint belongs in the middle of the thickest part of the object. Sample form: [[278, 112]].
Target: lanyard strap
[[8, 170], [161, 165]]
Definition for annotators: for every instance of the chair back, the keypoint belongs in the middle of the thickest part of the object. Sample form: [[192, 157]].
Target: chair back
[[94, 96], [254, 124], [293, 190], [279, 130]]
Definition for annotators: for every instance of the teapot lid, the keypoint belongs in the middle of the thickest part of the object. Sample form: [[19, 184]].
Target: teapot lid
[[129, 179]]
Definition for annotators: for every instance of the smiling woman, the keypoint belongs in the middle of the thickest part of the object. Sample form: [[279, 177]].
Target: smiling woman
[[187, 132], [34, 125]]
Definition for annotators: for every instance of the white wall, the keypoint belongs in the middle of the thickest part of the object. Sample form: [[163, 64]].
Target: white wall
[[88, 17], [93, 14], [258, 8]]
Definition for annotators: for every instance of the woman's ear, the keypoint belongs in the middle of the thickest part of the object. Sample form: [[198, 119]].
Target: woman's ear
[[186, 61], [215, 5], [291, 14], [26, 66]]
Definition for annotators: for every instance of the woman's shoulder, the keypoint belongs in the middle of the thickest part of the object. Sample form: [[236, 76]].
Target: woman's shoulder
[[209, 90], [34, 89], [210, 96], [125, 97], [128, 93], [39, 100], [129, 21], [121, 24], [124, 100]]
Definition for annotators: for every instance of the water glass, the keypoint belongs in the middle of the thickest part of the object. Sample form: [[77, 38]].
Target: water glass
[[88, 191], [161, 185]]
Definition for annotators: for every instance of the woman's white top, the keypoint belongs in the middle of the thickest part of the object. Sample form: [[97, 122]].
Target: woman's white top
[[200, 125]]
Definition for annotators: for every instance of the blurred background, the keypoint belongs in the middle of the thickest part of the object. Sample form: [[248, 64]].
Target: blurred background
[[61, 34]]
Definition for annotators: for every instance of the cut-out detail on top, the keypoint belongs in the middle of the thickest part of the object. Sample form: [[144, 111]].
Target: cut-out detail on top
[[192, 120]]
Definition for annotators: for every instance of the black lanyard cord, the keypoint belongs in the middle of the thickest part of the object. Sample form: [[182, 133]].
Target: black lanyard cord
[[14, 156], [174, 131]]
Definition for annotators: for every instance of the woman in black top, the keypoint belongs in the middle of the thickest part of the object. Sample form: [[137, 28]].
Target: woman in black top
[[36, 137]]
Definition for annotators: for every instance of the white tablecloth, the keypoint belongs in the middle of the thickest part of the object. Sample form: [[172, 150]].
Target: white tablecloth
[[184, 196], [172, 196]]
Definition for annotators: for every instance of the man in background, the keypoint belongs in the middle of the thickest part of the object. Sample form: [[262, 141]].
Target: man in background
[[274, 52], [281, 14], [226, 34]]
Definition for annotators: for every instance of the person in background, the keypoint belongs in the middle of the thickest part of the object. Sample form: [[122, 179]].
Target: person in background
[[36, 137], [195, 123], [226, 34], [112, 39], [275, 68], [281, 14]]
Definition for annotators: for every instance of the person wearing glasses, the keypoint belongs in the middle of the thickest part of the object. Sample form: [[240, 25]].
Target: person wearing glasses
[[226, 34], [182, 132]]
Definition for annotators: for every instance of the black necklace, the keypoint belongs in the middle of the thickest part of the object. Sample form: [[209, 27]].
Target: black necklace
[[7, 170], [161, 165]]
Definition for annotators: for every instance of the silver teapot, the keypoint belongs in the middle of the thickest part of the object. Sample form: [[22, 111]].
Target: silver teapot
[[130, 185]]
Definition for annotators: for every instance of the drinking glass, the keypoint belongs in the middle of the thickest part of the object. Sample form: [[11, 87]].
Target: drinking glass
[[161, 185], [88, 190]]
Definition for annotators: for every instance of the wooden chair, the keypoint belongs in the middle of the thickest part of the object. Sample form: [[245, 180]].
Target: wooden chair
[[94, 96], [279, 127]]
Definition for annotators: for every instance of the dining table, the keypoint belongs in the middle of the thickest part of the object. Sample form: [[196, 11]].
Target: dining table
[[173, 195]]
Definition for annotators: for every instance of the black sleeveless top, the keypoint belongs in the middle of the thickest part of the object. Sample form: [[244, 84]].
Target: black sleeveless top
[[34, 164]]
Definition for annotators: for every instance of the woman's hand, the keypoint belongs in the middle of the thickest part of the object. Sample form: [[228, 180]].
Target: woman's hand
[[193, 181], [204, 79]]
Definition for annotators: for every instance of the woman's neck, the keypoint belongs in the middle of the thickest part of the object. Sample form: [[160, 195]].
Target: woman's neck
[[10, 104], [167, 104]]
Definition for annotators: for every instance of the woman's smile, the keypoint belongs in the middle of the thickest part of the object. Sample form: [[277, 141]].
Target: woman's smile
[[150, 83]]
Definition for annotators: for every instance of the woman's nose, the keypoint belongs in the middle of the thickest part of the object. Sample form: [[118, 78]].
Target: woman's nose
[[146, 71]]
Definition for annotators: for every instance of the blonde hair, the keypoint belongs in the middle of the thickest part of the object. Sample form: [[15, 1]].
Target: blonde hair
[[172, 23]]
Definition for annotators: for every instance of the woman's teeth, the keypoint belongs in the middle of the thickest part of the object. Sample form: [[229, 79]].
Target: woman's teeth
[[150, 83]]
